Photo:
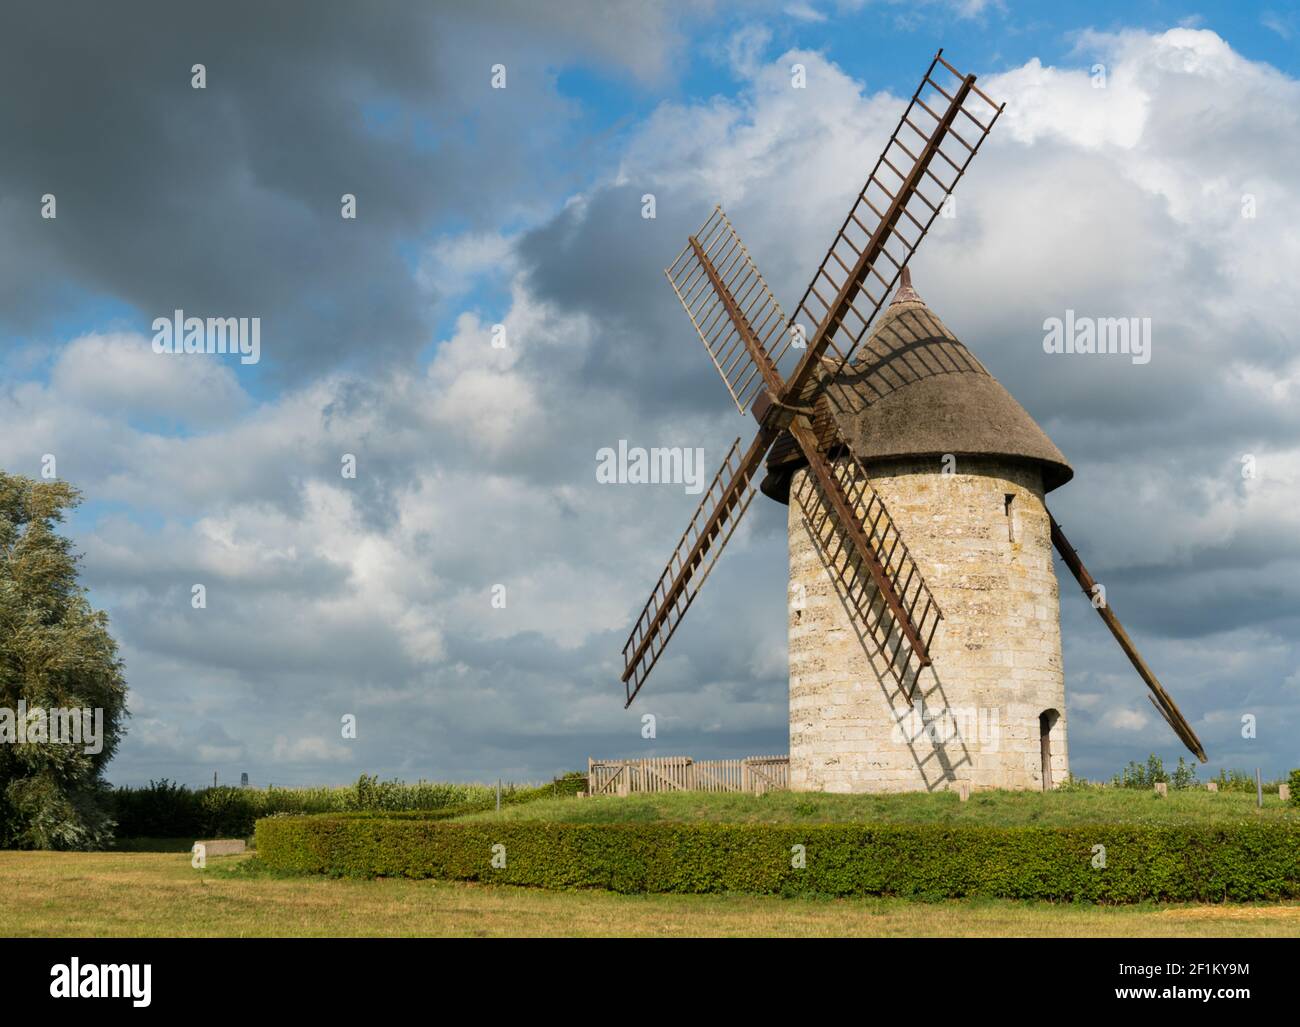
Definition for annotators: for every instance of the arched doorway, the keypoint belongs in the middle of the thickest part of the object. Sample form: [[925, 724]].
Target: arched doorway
[[1046, 721]]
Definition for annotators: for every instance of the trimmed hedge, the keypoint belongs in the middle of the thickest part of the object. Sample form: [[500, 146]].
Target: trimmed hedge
[[1231, 862]]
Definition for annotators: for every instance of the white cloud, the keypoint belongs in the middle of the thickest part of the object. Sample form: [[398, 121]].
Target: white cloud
[[117, 373], [804, 12], [307, 750], [1125, 720], [745, 48], [453, 264], [1284, 26]]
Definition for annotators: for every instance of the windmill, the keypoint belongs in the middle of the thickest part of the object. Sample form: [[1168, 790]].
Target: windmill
[[829, 394]]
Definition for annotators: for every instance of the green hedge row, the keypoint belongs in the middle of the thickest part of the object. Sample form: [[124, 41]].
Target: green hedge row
[[165, 809], [1195, 863]]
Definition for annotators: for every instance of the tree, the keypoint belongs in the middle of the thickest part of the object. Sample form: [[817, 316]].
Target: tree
[[57, 659]]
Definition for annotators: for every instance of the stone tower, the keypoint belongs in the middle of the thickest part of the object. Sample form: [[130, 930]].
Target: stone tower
[[963, 469]]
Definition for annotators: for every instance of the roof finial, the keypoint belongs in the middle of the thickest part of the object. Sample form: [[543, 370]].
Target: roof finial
[[905, 291]]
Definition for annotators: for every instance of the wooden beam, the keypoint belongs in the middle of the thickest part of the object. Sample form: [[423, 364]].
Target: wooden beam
[[731, 495], [852, 526], [771, 376], [853, 284], [1164, 701]]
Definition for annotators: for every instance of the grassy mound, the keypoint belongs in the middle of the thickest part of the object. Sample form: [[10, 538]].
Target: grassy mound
[[1062, 808]]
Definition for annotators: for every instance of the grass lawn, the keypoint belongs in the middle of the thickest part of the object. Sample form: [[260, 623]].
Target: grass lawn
[[121, 894], [1058, 808]]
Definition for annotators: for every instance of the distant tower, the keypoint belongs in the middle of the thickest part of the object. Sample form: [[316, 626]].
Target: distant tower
[[963, 468]]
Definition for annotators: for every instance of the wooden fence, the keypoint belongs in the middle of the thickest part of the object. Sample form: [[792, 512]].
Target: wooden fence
[[757, 774]]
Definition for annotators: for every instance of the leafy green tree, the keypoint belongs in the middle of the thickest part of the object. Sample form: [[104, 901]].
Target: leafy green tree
[[1185, 776], [55, 654]]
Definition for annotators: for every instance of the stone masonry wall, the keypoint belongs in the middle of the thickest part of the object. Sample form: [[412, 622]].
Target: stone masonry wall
[[997, 652]]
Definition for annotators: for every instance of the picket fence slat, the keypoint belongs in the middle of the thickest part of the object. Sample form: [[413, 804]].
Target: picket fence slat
[[756, 774]]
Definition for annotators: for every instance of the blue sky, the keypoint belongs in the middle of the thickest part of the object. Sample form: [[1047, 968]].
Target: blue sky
[[481, 207], [883, 42]]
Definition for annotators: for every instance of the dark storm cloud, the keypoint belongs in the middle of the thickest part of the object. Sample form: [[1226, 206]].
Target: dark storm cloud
[[604, 259], [226, 201]]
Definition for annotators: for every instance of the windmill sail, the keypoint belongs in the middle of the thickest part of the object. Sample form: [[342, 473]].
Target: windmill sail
[[1161, 699], [724, 503], [875, 577], [734, 312], [941, 130]]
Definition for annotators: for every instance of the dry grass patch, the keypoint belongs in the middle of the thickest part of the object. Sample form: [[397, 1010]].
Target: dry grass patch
[[119, 894]]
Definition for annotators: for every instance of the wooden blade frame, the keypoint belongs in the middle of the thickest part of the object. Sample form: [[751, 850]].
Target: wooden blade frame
[[832, 491], [723, 295], [1161, 699], [889, 219], [833, 536], [697, 551], [715, 279]]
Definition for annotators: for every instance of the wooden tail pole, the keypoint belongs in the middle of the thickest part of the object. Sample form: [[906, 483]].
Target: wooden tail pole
[[1164, 702]]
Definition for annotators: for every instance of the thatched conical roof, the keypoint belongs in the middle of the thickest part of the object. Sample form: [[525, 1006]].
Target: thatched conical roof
[[914, 390]]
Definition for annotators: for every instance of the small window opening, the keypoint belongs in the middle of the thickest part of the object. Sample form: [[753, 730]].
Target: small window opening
[[1011, 521]]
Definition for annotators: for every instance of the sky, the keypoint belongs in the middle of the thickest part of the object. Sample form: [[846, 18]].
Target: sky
[[1144, 166]]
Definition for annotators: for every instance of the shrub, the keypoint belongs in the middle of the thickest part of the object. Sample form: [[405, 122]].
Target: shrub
[[370, 793], [1184, 775], [1294, 781], [1237, 862], [159, 810], [1233, 780], [165, 809], [1137, 775]]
